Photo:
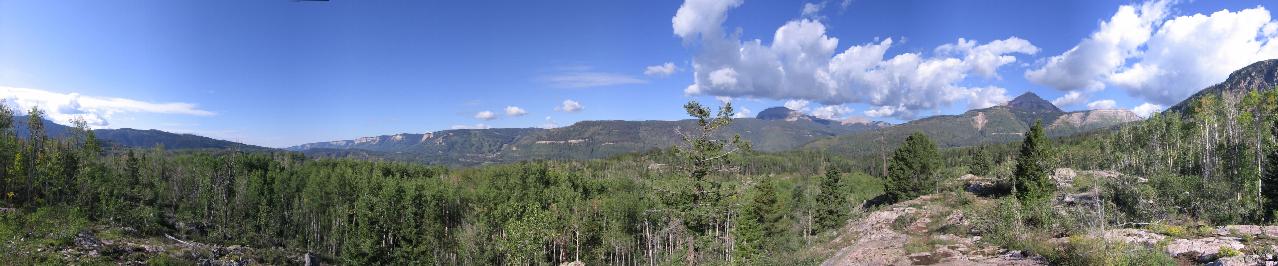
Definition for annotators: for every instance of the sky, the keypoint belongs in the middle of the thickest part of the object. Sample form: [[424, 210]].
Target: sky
[[278, 73]]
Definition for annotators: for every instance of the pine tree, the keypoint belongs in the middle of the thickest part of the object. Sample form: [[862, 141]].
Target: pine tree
[[981, 161], [912, 170], [767, 214], [1030, 179], [832, 202]]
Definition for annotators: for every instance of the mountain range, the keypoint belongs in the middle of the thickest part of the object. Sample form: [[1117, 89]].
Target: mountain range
[[997, 124], [773, 129], [1259, 76], [128, 137]]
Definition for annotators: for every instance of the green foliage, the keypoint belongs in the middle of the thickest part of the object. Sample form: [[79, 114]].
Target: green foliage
[[832, 202], [761, 223], [1227, 251], [913, 168], [1269, 181], [1030, 179], [1094, 251], [981, 161]]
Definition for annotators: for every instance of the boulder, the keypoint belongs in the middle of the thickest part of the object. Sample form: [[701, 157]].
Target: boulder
[[1134, 236], [85, 240], [1202, 249], [1269, 231], [1064, 177], [1086, 198], [1244, 260]]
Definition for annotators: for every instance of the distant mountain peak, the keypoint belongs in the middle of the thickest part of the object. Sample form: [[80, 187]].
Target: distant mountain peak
[[1031, 102], [780, 113]]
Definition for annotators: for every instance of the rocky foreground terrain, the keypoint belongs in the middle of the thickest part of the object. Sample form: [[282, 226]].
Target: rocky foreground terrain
[[939, 229], [122, 246]]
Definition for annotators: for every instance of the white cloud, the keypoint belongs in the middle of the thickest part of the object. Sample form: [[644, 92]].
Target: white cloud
[[550, 123], [802, 63], [811, 9], [832, 112], [475, 126], [1160, 58], [570, 106], [586, 79], [485, 115], [64, 107], [987, 97], [515, 111], [1070, 98], [1102, 104], [1190, 53], [660, 70], [742, 112], [700, 17], [885, 111], [797, 105], [1084, 66], [1147, 109]]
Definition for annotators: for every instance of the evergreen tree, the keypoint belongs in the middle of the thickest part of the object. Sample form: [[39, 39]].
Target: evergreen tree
[[762, 223], [705, 211], [981, 161], [1030, 179], [912, 169], [832, 202]]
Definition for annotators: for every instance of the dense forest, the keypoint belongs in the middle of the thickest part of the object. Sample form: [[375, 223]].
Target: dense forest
[[707, 201]]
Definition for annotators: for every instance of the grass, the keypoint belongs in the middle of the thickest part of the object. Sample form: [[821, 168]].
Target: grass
[[923, 244]]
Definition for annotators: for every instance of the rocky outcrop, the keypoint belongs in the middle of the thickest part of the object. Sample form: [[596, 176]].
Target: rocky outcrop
[[1202, 249], [880, 238]]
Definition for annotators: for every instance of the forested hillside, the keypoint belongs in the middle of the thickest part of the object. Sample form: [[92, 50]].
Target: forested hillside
[[136, 138], [775, 129], [997, 124]]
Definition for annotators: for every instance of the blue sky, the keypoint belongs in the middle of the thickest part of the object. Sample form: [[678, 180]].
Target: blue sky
[[281, 73]]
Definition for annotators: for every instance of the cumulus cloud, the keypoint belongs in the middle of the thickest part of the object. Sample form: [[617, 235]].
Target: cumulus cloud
[[1102, 104], [1161, 58], [696, 17], [1085, 66], [475, 126], [1070, 98], [485, 115], [1147, 109], [64, 107], [886, 111], [986, 97], [515, 111], [660, 70], [802, 63], [797, 105], [832, 112], [570, 106], [1189, 53]]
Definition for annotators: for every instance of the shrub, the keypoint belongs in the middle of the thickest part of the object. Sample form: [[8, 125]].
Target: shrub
[[1227, 251]]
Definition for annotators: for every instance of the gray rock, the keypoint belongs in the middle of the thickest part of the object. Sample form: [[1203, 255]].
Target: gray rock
[[1202, 249]]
